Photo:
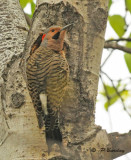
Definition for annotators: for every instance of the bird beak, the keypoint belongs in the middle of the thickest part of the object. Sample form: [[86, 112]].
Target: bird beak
[[65, 27], [56, 36]]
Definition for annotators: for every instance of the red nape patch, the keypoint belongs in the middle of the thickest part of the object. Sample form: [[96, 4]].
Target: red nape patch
[[43, 36]]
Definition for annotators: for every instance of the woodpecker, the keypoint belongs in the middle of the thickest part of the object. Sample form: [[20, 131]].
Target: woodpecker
[[47, 79]]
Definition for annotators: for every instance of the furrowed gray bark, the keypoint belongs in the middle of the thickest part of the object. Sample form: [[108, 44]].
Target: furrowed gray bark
[[121, 144], [19, 132]]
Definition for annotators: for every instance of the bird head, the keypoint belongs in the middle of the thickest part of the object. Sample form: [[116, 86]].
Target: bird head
[[53, 37]]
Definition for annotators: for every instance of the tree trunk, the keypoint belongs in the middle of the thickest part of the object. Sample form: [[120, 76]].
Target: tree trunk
[[84, 48], [20, 136]]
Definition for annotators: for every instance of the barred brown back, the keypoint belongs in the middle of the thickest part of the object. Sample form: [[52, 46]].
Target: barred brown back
[[47, 72]]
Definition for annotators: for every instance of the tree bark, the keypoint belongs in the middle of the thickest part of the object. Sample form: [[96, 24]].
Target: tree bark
[[121, 143], [20, 135]]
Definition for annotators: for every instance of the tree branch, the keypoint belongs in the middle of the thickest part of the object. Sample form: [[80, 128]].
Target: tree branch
[[120, 39], [121, 143], [106, 92], [114, 45], [117, 92], [28, 19], [107, 58]]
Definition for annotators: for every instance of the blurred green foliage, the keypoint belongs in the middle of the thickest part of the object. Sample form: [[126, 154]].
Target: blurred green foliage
[[112, 96], [128, 5], [110, 2], [128, 56], [23, 4], [128, 60], [119, 24]]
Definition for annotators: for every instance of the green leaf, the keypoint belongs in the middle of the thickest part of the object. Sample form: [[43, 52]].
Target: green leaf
[[113, 96], [110, 3], [124, 94], [127, 56], [110, 90], [128, 5], [32, 8], [23, 3], [128, 61], [112, 101], [118, 24]]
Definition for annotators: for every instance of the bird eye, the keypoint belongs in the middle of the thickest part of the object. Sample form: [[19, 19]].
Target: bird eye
[[53, 30]]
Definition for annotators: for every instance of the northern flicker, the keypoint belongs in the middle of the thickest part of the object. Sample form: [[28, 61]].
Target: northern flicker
[[47, 79]]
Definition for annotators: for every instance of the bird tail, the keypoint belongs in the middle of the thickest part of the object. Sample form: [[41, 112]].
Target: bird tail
[[51, 118], [49, 115], [52, 127]]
